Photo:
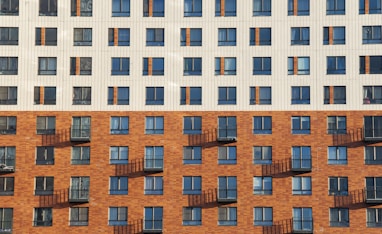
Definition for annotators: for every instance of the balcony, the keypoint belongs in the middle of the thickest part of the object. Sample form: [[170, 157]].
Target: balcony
[[6, 168], [153, 165], [301, 165], [227, 195], [302, 226], [6, 227], [78, 195], [152, 226], [80, 134], [372, 134], [226, 135], [373, 195]]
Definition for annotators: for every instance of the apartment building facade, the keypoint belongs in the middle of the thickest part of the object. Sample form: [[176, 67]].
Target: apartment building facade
[[190, 116]]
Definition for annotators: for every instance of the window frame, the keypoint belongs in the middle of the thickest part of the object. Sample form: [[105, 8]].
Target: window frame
[[300, 11], [333, 65], [338, 186], [83, 155], [262, 185], [192, 216], [46, 125], [194, 157], [118, 155], [337, 155], [192, 125], [195, 38], [158, 8], [262, 125], [155, 36], [154, 159], [227, 155], [373, 217], [227, 216], [260, 8], [227, 187], [43, 216], [50, 37], [9, 65], [262, 155], [372, 34], [226, 36], [301, 223], [193, 8], [300, 95], [12, 9], [337, 38], [303, 65], [372, 94], [155, 187], [120, 10], [11, 35], [8, 125], [118, 185], [301, 157], [301, 185], [192, 185], [82, 36], [82, 95], [7, 186], [265, 213], [44, 185], [119, 125], [336, 9], [192, 66], [153, 218], [227, 95], [45, 155], [337, 122], [79, 216], [230, 66], [339, 217], [300, 125], [118, 216], [120, 66], [157, 127], [86, 8], [262, 66], [300, 36], [85, 68]]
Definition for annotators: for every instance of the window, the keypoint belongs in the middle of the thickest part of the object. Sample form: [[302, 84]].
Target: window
[[80, 66], [154, 158], [227, 216], [9, 36], [339, 217], [7, 125], [371, 34], [263, 216], [369, 7], [225, 66], [120, 8], [369, 65], [300, 124], [334, 36], [79, 189], [336, 124], [262, 155], [337, 155], [227, 37], [80, 130], [154, 96], [118, 216], [262, 7], [82, 37], [193, 8], [44, 186], [153, 8], [154, 125], [226, 127], [79, 216], [301, 158], [227, 95], [335, 7], [47, 66], [260, 36], [374, 217], [335, 65], [119, 155], [301, 185], [46, 36], [153, 66], [82, 96], [262, 125], [80, 155], [302, 7], [372, 94], [8, 65], [192, 155], [118, 185], [48, 8], [302, 219], [121, 97], [192, 125], [262, 66], [190, 37], [372, 127], [7, 157], [153, 185], [81, 7], [119, 36], [192, 185], [373, 188], [264, 95], [192, 66], [6, 189], [44, 95], [300, 95], [154, 37], [225, 7], [192, 216], [42, 217], [298, 65], [338, 186], [153, 219], [119, 125], [6, 219], [46, 125], [227, 188], [262, 185], [373, 155], [334, 94], [120, 66], [44, 155], [190, 95], [9, 7], [300, 36], [227, 155]]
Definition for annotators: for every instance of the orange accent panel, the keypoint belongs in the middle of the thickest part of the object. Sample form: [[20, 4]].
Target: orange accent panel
[[331, 94], [42, 36], [42, 95], [150, 7], [295, 7], [115, 36], [257, 36], [150, 66], [295, 65], [257, 95], [221, 66], [330, 35], [78, 8], [188, 37], [367, 64], [187, 95], [222, 7], [115, 95], [77, 66], [366, 6]]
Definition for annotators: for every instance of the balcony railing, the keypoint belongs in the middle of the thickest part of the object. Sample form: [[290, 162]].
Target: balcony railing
[[80, 134], [154, 165], [227, 195], [302, 226], [78, 195], [372, 134], [373, 194], [8, 166], [152, 226], [301, 165], [226, 134], [6, 227], [39, 223]]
